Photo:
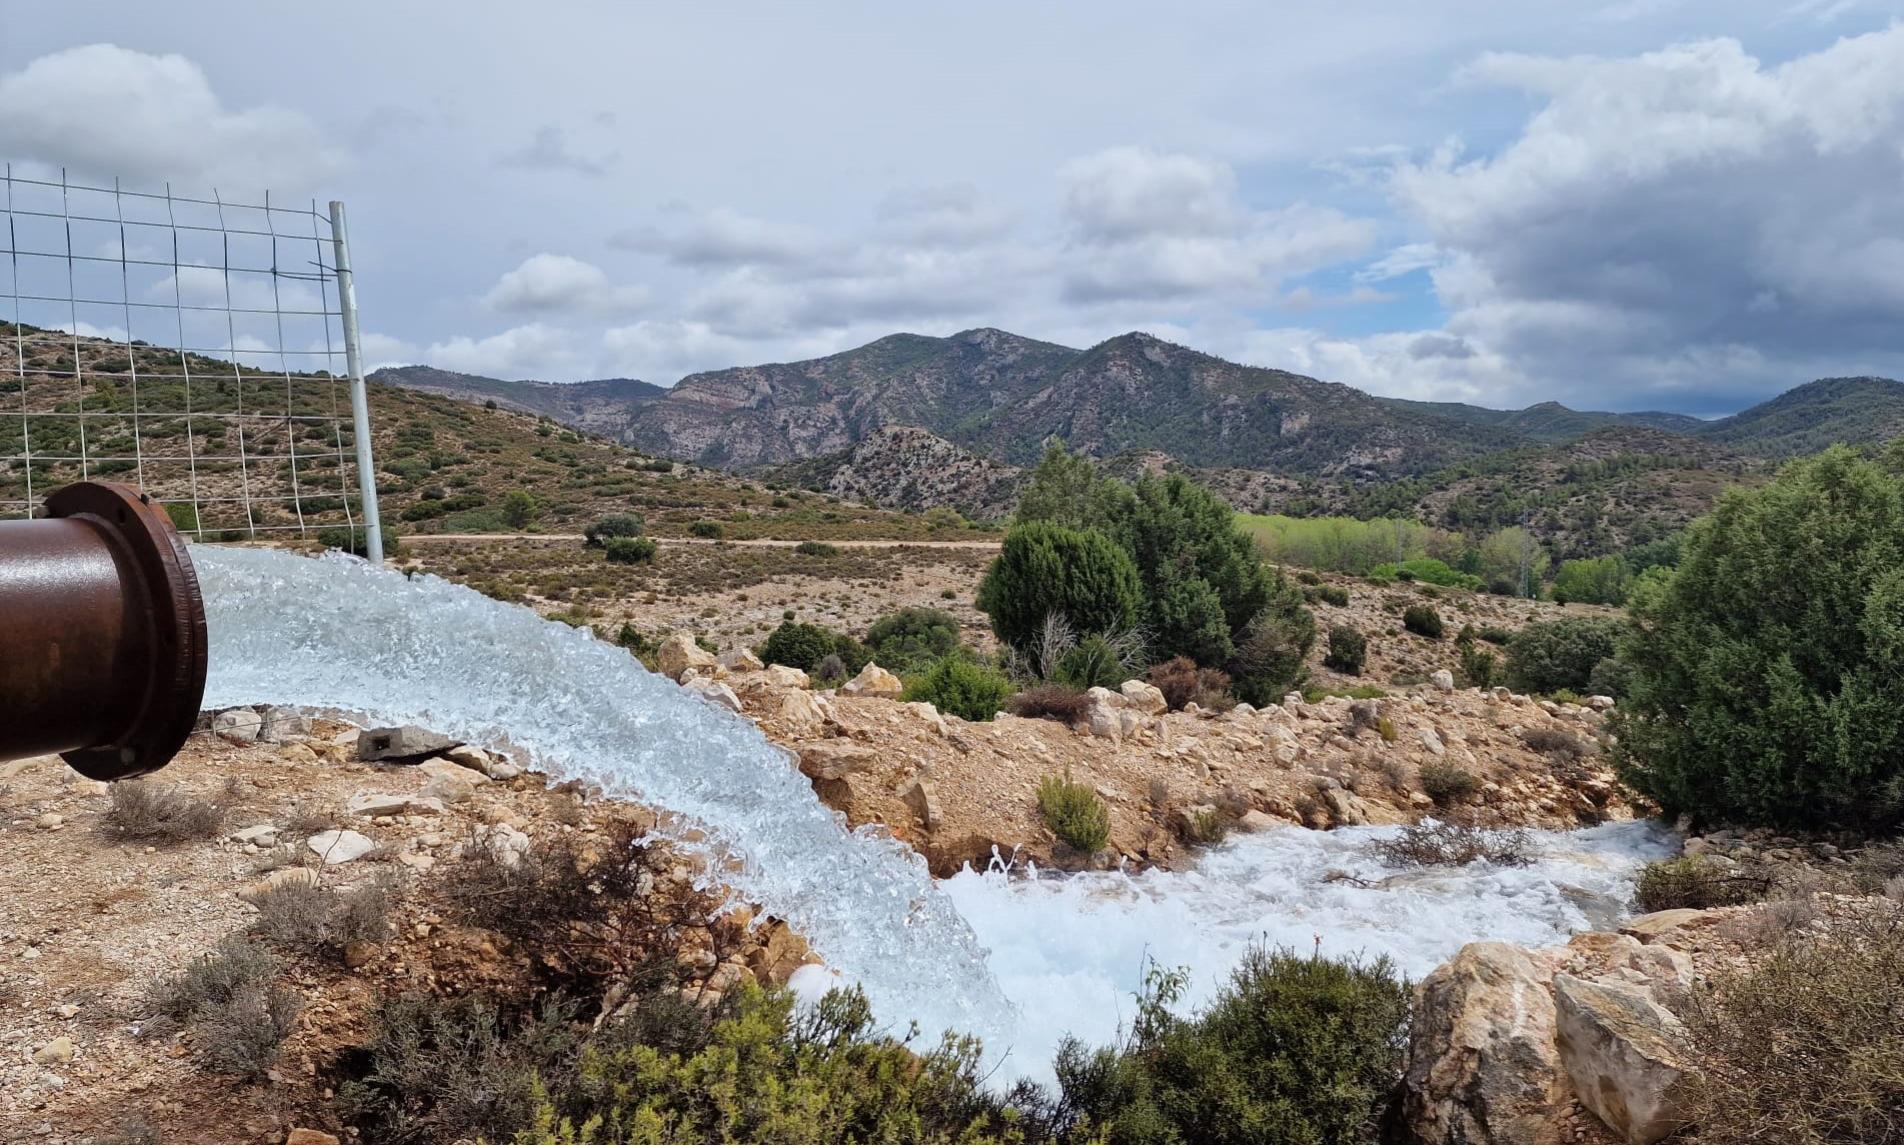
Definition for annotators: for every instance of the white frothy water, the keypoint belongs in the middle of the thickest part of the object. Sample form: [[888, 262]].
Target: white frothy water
[[1070, 951], [1019, 961], [337, 633]]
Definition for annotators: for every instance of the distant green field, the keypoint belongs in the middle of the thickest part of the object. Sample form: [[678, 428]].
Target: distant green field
[[1346, 545]]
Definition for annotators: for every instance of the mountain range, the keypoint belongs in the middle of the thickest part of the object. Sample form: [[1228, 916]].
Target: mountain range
[[979, 405]]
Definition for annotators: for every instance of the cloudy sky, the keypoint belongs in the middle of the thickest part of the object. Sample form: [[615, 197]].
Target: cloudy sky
[[1684, 204]]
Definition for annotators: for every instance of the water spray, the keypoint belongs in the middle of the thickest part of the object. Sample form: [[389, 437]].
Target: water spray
[[102, 634]]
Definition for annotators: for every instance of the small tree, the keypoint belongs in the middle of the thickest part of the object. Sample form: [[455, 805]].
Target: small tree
[[614, 525], [913, 638], [960, 686], [1560, 654], [1602, 580], [630, 550], [1423, 620], [1044, 569], [519, 509], [1348, 649]]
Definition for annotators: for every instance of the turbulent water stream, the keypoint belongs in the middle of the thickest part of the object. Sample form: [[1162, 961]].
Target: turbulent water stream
[[1019, 961]]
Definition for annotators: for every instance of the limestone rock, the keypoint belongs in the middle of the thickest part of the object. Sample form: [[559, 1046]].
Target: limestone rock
[[239, 725], [927, 713], [1146, 698], [399, 744], [1254, 820], [1442, 679], [339, 846], [918, 795], [835, 759], [263, 835], [450, 790], [716, 693], [1600, 703], [679, 652], [379, 804], [874, 681], [783, 676], [484, 763], [1431, 741], [1622, 1051], [446, 769], [56, 1052], [281, 725], [740, 660], [801, 713], [1483, 1068], [504, 842], [1649, 927]]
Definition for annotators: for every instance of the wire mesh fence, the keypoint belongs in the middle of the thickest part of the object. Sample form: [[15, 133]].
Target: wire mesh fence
[[191, 346]]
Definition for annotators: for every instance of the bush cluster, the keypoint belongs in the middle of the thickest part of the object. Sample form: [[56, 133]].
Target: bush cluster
[[1348, 650], [913, 639], [630, 550], [615, 525], [1695, 882], [1561, 655], [232, 1000], [1423, 620], [1058, 702], [805, 646], [961, 686], [1183, 684], [1435, 844], [353, 539], [1045, 569]]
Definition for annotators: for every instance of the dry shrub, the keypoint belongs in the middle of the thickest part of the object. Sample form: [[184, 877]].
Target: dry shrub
[[150, 813], [1434, 844], [1183, 683], [231, 997], [1806, 1042], [1051, 702], [1446, 783], [614, 913], [1557, 742], [1696, 882], [313, 920]]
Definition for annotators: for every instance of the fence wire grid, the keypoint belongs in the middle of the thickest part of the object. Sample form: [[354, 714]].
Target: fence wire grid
[[191, 346]]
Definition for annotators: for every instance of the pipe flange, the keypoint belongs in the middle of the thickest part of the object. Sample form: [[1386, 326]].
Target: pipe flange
[[163, 592]]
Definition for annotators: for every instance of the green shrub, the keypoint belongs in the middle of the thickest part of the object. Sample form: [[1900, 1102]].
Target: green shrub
[[1479, 667], [1559, 654], [615, 525], [1045, 569], [354, 540], [1269, 658], [1446, 783], [912, 639], [1094, 662], [816, 549], [709, 530], [960, 686], [1423, 620], [1074, 813], [1426, 570], [1765, 673], [1695, 882], [1601, 580], [804, 646], [1296, 1048], [519, 509], [630, 550], [183, 514], [1494, 634], [1610, 677], [1333, 594], [1348, 650]]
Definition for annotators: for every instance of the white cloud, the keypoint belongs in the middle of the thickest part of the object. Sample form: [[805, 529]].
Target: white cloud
[[1158, 227], [533, 351], [727, 238], [557, 283], [103, 111]]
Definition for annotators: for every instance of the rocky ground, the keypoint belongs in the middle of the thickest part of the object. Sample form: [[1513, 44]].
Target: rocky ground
[[89, 919]]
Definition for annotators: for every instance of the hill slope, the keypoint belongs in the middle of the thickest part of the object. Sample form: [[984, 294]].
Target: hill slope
[[1810, 417]]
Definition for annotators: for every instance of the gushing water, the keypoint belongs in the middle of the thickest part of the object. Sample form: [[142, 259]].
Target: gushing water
[[1018, 961], [339, 634]]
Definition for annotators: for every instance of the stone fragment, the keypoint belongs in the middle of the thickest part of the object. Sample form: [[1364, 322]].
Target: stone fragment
[[339, 846], [918, 795], [874, 681], [379, 804], [400, 744], [264, 835], [56, 1052], [448, 769], [740, 660], [239, 725], [716, 693], [487, 763], [280, 725], [1442, 679], [1622, 1051], [835, 759], [1649, 927], [450, 790], [784, 676], [679, 652], [1253, 820], [1146, 698]]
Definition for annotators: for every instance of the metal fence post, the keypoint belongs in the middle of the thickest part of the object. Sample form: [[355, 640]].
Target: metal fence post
[[359, 399]]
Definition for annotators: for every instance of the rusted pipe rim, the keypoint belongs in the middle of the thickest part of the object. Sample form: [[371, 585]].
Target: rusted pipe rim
[[164, 594]]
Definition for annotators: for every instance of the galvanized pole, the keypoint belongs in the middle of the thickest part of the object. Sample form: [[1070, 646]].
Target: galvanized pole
[[359, 400]]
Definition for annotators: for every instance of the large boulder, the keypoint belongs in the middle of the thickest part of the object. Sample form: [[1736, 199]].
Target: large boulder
[[1623, 1053], [1483, 1068], [740, 660], [239, 725], [836, 759], [786, 676], [1146, 698], [874, 681], [679, 652]]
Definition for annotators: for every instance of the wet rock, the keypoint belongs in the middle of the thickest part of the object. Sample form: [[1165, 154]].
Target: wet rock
[[1483, 1068], [679, 653], [398, 745], [1622, 1051], [340, 846], [835, 759], [874, 681], [239, 725]]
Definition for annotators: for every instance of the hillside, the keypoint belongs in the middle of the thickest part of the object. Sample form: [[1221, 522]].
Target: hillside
[[905, 467], [1810, 417], [606, 406]]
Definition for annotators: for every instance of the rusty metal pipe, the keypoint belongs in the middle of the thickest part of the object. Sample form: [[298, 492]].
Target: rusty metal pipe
[[102, 634]]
